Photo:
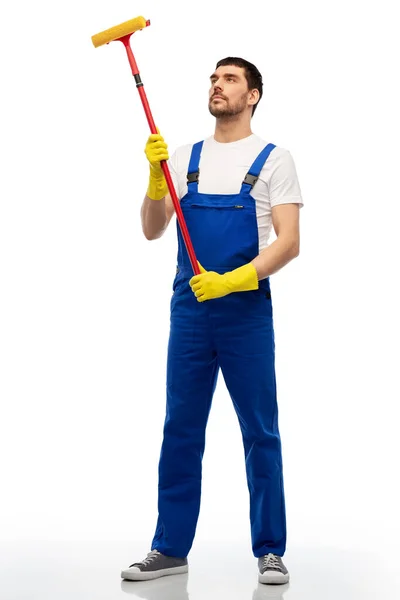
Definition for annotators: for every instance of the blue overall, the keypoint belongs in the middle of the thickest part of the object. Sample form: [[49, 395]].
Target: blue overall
[[234, 333]]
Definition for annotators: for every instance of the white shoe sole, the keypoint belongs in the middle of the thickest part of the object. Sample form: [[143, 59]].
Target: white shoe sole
[[134, 573], [273, 577]]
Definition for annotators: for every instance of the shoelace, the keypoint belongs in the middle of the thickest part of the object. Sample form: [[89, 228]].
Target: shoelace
[[151, 555], [271, 560]]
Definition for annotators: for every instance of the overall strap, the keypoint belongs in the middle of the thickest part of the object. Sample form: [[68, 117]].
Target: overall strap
[[255, 169], [193, 170]]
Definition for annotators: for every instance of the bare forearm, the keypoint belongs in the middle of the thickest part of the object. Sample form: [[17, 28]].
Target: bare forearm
[[153, 217], [275, 256]]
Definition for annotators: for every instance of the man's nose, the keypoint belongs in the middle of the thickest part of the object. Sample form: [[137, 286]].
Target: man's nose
[[217, 86]]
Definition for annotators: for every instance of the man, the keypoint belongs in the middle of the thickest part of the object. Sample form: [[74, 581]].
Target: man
[[232, 187]]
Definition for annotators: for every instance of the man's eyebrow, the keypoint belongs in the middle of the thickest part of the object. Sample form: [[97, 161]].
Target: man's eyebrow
[[225, 75]]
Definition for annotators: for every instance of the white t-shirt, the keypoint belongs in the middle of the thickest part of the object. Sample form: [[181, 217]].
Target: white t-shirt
[[223, 167]]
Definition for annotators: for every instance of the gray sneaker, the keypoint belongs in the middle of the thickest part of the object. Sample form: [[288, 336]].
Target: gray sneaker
[[272, 570], [155, 565]]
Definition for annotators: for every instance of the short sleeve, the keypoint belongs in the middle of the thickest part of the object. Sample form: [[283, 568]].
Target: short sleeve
[[172, 163], [284, 186]]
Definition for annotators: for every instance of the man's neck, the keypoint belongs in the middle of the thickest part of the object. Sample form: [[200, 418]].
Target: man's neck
[[230, 130]]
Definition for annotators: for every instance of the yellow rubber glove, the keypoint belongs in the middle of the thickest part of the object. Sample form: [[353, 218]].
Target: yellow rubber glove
[[209, 284], [156, 150]]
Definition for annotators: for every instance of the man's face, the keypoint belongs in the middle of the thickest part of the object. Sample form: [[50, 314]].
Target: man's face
[[229, 92]]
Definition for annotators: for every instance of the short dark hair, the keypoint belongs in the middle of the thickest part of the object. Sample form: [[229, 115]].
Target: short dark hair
[[252, 74]]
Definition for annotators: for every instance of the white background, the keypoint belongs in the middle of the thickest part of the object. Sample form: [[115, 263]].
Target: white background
[[85, 297]]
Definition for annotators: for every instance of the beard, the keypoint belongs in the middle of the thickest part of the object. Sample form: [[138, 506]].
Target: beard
[[225, 110]]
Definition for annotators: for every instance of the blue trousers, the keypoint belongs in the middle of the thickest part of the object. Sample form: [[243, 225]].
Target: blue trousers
[[235, 334]]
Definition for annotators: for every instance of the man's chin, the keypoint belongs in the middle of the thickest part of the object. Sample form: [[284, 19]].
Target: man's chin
[[218, 113]]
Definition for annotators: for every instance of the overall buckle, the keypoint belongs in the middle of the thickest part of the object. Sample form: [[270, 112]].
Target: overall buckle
[[193, 177], [250, 179]]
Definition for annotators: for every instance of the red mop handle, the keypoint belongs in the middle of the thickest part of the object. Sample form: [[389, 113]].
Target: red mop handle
[[164, 166]]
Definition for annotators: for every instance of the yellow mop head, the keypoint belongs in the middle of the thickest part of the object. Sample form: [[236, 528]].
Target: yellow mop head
[[109, 35]]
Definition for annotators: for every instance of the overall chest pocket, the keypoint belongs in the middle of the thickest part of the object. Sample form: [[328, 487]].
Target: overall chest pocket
[[224, 232], [218, 206]]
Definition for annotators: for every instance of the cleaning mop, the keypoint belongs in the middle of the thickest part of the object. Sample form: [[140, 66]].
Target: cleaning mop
[[122, 33]]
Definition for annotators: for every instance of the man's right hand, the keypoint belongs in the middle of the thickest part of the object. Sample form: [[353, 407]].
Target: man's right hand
[[156, 150]]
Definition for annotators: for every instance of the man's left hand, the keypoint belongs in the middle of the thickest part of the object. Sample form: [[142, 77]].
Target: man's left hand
[[209, 284]]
